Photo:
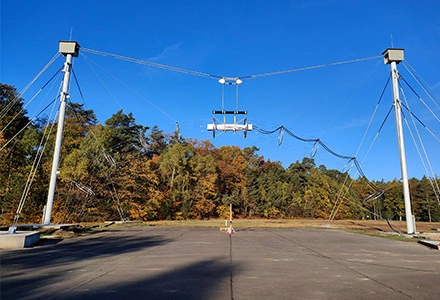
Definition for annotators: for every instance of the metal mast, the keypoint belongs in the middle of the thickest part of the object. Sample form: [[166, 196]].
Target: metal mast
[[69, 49], [393, 56]]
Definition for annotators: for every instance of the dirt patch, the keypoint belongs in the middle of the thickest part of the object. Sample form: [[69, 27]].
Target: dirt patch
[[361, 225], [379, 227]]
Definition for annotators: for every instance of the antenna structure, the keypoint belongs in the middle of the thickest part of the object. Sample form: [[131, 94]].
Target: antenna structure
[[393, 56], [235, 125], [69, 49]]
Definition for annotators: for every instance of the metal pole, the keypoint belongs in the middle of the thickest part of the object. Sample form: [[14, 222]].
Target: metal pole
[[230, 213], [401, 144], [59, 137]]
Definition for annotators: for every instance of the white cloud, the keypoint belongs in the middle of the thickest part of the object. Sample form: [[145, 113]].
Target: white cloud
[[165, 51]]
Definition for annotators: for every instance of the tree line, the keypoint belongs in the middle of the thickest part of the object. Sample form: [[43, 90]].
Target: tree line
[[124, 170]]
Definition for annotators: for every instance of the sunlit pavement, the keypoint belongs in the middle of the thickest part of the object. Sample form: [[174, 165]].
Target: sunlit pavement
[[183, 263]]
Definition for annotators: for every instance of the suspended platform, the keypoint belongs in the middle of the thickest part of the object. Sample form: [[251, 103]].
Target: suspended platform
[[230, 127], [234, 127]]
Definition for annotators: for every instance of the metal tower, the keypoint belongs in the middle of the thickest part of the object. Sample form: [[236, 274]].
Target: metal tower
[[69, 49], [393, 56]]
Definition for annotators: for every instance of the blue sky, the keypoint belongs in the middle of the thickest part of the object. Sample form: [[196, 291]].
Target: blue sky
[[236, 39]]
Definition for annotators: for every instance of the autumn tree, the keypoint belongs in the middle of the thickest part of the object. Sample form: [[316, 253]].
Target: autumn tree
[[125, 134], [204, 183], [176, 167], [427, 206], [18, 143], [231, 167], [157, 142], [393, 205]]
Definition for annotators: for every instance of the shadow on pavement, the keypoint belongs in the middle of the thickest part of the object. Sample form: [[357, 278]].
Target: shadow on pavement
[[199, 280], [52, 254], [43, 271]]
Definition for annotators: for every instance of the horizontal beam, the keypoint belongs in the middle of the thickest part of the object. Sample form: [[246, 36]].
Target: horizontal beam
[[230, 127], [229, 112]]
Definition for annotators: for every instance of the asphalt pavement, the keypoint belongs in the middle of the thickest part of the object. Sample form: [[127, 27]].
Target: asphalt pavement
[[186, 263]]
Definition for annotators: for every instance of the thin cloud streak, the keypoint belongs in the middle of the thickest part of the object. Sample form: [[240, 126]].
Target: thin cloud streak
[[166, 51]]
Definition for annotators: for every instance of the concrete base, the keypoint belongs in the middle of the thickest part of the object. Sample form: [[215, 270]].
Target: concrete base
[[121, 222], [430, 244], [431, 240], [53, 226], [18, 240]]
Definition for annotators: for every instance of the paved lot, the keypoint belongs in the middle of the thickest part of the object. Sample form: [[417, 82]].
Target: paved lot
[[180, 263]]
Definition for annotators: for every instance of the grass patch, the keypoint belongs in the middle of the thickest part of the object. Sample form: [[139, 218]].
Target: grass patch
[[389, 235]]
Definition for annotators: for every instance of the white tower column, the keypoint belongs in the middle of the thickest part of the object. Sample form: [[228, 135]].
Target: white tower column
[[69, 49], [393, 56]]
